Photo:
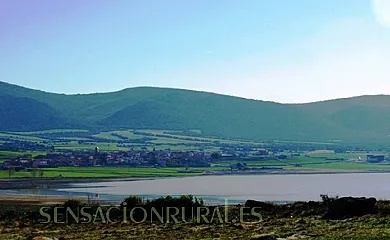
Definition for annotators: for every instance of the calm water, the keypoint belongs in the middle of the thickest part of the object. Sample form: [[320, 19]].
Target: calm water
[[215, 189]]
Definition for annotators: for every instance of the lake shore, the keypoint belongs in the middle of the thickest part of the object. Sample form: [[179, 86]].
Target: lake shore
[[39, 183], [66, 182], [27, 200]]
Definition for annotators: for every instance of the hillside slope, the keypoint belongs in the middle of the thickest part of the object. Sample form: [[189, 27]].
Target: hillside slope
[[24, 114], [359, 119]]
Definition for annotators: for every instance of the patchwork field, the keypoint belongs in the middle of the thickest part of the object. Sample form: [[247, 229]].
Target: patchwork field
[[321, 157]]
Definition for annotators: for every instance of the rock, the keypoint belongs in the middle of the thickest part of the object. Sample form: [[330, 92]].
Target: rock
[[347, 207]]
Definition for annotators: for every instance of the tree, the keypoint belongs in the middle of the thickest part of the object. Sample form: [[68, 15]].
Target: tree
[[215, 155], [41, 173], [11, 171], [132, 202], [34, 172], [239, 166]]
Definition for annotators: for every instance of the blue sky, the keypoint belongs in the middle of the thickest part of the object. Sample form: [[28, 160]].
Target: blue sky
[[278, 50]]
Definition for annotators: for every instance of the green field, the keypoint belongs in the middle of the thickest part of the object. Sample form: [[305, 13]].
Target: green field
[[51, 131], [256, 163], [350, 166], [128, 134], [121, 171], [74, 139], [307, 163], [107, 136], [74, 145], [91, 172], [166, 136], [12, 154], [345, 156], [123, 140], [21, 137], [181, 136]]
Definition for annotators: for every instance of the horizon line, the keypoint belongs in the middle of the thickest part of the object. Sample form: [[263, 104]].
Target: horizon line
[[193, 90]]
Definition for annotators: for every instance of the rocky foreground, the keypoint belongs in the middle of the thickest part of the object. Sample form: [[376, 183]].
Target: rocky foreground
[[344, 218]]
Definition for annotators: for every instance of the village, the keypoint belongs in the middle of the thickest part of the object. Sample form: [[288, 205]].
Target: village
[[161, 158], [133, 158], [215, 158]]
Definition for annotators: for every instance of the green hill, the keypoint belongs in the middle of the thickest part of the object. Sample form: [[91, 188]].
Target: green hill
[[359, 119], [24, 114]]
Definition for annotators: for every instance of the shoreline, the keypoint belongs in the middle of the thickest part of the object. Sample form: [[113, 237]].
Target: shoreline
[[49, 183], [12, 190], [28, 200]]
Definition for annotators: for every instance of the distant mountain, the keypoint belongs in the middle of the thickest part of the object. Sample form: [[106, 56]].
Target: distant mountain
[[358, 119], [23, 114]]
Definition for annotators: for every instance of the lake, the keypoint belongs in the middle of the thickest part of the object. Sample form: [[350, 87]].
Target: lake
[[237, 188]]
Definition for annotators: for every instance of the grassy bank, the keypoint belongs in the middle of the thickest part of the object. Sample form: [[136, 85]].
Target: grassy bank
[[367, 228], [301, 220], [141, 172], [101, 172]]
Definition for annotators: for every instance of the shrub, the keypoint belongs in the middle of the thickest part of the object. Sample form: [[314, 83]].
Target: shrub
[[328, 200], [169, 201], [73, 204], [185, 204], [133, 201]]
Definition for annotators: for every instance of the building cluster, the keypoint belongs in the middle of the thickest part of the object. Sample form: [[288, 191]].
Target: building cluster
[[155, 158], [375, 158]]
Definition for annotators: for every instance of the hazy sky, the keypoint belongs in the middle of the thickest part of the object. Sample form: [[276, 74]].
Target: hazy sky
[[278, 50]]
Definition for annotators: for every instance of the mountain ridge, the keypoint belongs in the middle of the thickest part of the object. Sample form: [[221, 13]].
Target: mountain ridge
[[2, 83], [360, 118]]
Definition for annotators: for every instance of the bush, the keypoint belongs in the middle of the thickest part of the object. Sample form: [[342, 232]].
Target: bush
[[169, 201], [328, 200], [186, 205], [383, 207], [133, 201], [73, 204]]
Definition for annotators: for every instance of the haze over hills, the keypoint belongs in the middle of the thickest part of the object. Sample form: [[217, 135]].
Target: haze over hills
[[357, 119]]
